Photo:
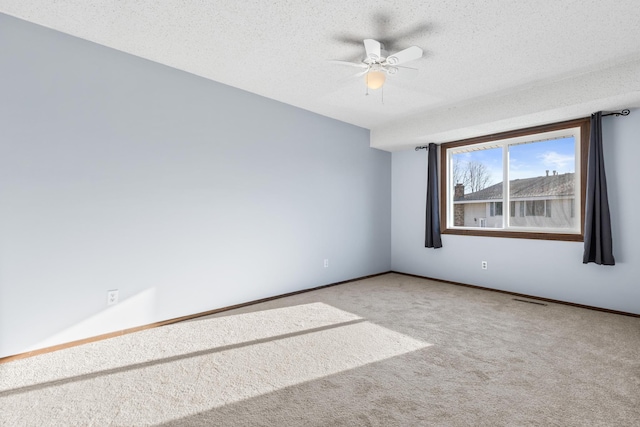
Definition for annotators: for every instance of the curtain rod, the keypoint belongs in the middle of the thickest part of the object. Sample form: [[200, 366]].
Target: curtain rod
[[624, 112]]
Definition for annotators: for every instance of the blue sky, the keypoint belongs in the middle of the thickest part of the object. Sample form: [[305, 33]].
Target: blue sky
[[527, 160]]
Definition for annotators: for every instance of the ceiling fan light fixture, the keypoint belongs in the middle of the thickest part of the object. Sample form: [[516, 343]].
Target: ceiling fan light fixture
[[375, 79], [376, 66]]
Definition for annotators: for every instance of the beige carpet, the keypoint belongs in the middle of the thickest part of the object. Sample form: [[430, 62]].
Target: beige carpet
[[387, 351]]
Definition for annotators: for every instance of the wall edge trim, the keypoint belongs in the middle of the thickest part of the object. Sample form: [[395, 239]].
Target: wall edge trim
[[114, 334], [573, 304]]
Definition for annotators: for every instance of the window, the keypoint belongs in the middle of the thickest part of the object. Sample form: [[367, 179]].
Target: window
[[496, 208], [528, 183], [535, 207], [539, 208]]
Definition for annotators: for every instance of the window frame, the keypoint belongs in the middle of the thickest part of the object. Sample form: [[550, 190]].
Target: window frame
[[583, 124]]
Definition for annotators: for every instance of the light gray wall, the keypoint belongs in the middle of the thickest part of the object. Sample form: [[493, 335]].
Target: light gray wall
[[534, 267], [184, 194]]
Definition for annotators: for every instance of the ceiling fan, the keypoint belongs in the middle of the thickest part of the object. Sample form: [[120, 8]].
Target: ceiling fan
[[376, 67]]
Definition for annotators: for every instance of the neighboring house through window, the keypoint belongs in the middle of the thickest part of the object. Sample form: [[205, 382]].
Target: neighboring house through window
[[525, 183]]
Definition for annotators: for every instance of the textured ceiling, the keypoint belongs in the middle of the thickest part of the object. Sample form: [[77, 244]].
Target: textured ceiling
[[489, 65]]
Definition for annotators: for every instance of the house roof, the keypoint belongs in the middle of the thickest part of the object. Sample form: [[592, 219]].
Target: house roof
[[488, 66], [539, 186]]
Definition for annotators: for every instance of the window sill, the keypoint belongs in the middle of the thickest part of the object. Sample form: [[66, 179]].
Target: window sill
[[516, 235]]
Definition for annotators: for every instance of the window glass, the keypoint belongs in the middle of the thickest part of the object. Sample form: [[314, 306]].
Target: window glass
[[477, 174], [524, 183], [542, 175]]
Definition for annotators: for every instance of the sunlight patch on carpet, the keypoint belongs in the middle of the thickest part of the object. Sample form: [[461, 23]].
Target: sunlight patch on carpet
[[180, 370]]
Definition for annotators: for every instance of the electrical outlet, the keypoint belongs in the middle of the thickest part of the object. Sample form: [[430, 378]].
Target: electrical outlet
[[112, 297], [326, 263], [484, 265]]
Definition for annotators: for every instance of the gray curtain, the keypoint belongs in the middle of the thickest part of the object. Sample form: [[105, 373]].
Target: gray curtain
[[598, 244], [432, 236]]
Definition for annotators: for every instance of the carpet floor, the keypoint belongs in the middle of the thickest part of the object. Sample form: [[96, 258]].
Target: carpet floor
[[391, 350]]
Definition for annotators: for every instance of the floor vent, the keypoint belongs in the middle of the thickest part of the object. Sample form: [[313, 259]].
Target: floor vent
[[530, 302]]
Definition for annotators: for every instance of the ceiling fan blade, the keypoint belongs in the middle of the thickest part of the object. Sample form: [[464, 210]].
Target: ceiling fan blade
[[353, 76], [409, 54], [372, 48], [406, 72], [351, 64]]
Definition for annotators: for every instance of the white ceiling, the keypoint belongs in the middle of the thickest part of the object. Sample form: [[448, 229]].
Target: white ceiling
[[489, 65]]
